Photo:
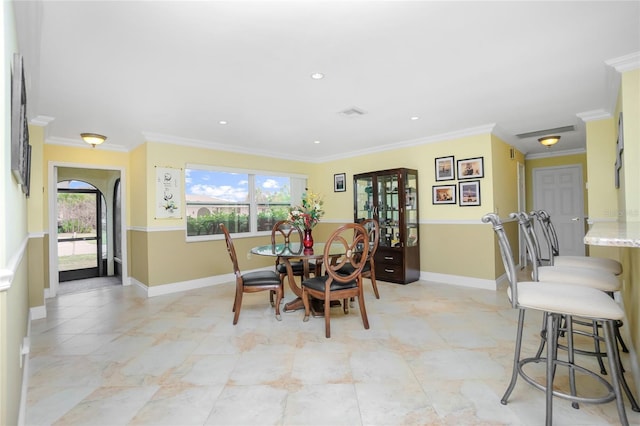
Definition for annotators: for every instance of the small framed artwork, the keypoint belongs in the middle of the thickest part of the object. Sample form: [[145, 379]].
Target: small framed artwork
[[444, 194], [19, 124], [445, 169], [339, 182], [469, 193], [619, 150], [471, 168]]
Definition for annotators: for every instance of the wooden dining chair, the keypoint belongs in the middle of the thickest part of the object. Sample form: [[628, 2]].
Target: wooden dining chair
[[335, 285], [369, 271], [288, 232], [252, 282]]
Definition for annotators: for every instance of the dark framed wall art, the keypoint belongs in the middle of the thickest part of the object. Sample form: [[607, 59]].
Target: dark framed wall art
[[445, 169], [444, 194], [471, 168], [20, 149], [469, 193], [339, 182]]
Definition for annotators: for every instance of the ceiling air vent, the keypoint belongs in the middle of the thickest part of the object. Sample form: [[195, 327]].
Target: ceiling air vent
[[352, 112], [546, 132]]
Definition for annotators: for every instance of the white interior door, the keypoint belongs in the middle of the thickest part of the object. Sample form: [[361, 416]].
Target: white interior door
[[558, 190]]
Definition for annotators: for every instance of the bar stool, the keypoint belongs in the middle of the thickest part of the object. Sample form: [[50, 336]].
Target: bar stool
[[556, 259], [610, 266], [558, 300], [587, 277]]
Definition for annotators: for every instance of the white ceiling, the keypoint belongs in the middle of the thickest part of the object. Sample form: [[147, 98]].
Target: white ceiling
[[170, 71]]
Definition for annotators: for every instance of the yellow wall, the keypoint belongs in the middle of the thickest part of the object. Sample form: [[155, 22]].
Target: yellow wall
[[152, 265], [631, 156], [607, 203], [14, 241]]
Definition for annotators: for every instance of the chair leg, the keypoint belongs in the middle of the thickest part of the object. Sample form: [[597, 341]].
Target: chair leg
[[596, 348], [516, 358], [619, 337], [614, 367], [552, 343], [327, 317], [543, 335], [363, 312], [237, 305], [305, 301], [571, 359], [373, 283], [278, 299]]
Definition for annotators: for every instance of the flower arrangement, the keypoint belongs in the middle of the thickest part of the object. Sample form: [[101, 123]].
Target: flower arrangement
[[308, 214]]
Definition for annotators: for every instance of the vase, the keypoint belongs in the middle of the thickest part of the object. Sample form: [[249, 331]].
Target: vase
[[307, 241]]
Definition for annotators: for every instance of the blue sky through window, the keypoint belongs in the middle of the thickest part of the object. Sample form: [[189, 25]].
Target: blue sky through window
[[232, 187]]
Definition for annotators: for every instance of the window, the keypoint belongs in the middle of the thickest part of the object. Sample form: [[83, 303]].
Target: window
[[247, 202]]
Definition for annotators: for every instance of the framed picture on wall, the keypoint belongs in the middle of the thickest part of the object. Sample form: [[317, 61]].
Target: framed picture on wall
[[19, 125], [619, 150], [469, 193], [339, 182], [471, 168], [444, 194], [445, 169]]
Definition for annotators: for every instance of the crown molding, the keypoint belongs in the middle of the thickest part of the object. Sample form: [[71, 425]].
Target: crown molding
[[614, 68], [625, 63], [198, 143], [442, 137], [555, 154], [598, 114], [41, 120]]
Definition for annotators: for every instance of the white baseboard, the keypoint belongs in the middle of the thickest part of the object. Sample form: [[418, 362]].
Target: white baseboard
[[460, 281], [159, 290], [38, 312]]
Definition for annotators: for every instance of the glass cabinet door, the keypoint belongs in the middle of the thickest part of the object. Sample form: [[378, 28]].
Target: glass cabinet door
[[365, 207], [388, 210], [411, 209]]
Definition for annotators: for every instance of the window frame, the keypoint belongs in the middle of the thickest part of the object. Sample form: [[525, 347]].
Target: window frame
[[297, 182]]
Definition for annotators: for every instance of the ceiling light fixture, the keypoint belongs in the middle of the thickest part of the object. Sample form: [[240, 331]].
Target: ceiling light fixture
[[317, 76], [549, 140], [316, 142], [93, 139], [223, 122], [415, 117]]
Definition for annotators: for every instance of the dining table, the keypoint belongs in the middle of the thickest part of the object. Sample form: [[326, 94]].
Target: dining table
[[288, 252]]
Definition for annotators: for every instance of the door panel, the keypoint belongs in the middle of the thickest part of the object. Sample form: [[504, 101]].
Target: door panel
[[79, 234], [558, 190]]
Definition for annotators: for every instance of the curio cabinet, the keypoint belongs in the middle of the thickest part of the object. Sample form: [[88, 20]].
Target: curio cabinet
[[391, 197]]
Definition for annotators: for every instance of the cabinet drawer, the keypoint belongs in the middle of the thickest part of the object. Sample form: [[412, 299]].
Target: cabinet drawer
[[390, 273], [384, 257]]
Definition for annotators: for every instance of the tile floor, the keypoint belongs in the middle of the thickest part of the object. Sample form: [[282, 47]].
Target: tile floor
[[434, 355]]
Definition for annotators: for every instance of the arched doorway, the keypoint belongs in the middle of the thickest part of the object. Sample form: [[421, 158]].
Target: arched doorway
[[112, 263], [82, 240]]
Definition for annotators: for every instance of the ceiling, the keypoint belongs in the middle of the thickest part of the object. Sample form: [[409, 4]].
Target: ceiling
[[161, 71]]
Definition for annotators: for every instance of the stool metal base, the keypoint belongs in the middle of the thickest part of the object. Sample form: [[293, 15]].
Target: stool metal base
[[552, 325]]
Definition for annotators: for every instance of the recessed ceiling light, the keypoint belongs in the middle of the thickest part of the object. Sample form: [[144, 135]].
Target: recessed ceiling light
[[317, 76], [414, 118], [223, 122], [316, 142]]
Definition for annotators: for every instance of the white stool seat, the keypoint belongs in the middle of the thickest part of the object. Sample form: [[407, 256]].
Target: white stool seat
[[594, 278], [567, 299], [612, 266]]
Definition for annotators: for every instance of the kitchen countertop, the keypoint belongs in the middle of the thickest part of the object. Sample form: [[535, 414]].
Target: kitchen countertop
[[614, 234]]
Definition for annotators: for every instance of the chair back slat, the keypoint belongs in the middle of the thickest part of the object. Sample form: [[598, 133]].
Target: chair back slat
[[231, 249], [355, 252], [506, 254], [526, 224]]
